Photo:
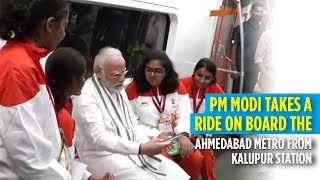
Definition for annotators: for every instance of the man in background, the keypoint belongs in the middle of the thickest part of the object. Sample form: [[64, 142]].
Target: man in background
[[252, 31]]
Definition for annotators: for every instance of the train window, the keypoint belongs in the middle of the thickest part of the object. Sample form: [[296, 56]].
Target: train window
[[93, 27]]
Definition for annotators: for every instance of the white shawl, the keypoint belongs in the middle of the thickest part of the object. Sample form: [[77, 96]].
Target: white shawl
[[98, 144]]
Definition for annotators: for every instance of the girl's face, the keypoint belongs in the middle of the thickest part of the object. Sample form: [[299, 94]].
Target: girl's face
[[77, 84], [202, 77], [155, 72], [55, 32]]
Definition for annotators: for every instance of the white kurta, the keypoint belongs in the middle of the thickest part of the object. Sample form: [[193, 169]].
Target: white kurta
[[107, 140]]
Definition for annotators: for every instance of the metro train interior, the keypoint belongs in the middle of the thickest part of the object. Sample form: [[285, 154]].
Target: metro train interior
[[186, 30]]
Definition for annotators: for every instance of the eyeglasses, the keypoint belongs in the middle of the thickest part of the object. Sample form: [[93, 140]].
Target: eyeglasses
[[117, 75], [156, 71]]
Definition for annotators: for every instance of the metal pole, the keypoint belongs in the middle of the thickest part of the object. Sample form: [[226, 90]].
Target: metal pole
[[227, 71], [269, 11], [241, 46]]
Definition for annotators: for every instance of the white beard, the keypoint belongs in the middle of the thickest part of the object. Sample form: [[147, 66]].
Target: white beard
[[110, 87]]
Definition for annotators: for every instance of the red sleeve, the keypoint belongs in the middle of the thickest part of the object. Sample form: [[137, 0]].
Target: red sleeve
[[19, 77], [187, 82], [131, 91], [182, 89], [18, 84], [216, 88], [67, 123], [69, 105]]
